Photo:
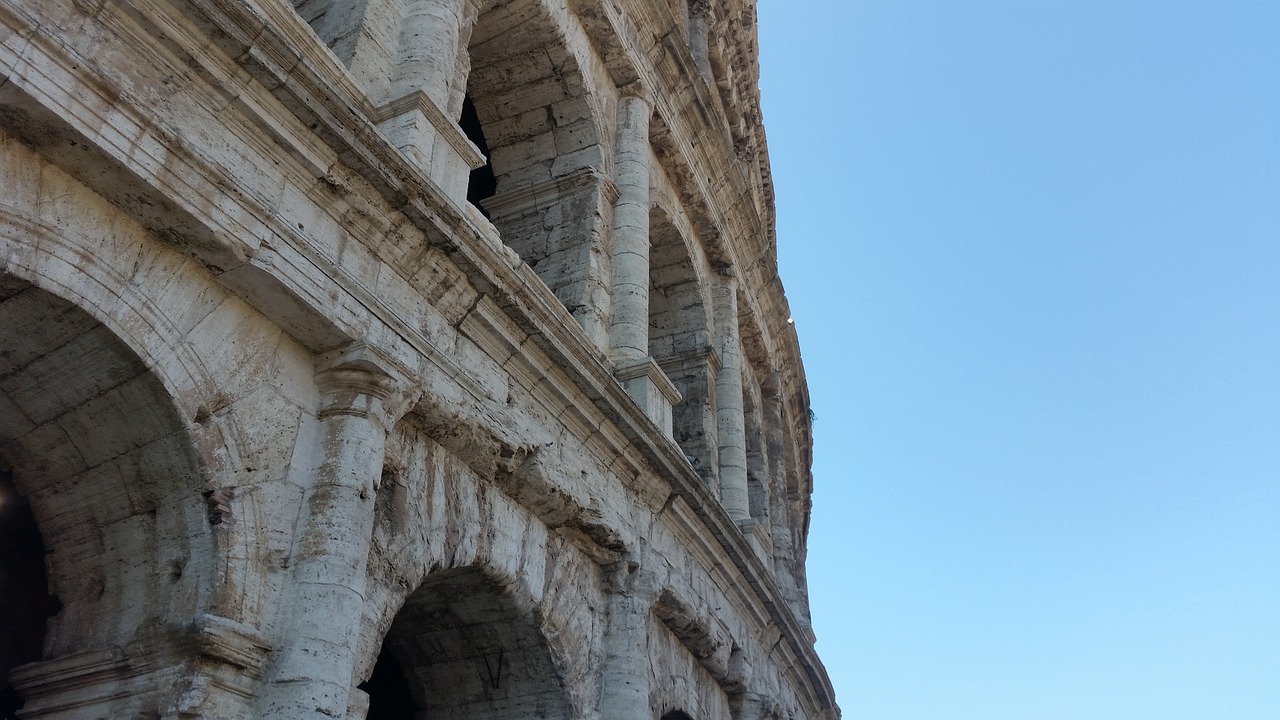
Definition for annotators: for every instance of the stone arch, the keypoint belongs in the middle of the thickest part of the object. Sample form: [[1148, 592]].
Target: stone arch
[[508, 89], [681, 682], [25, 602], [444, 533], [680, 337], [533, 94], [218, 364], [96, 445], [679, 321], [211, 398], [467, 646], [540, 110], [759, 471]]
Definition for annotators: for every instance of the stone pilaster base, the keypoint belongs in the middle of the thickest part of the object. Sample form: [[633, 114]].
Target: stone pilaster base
[[651, 389]]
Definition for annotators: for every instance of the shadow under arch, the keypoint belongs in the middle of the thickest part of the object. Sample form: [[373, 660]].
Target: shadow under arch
[[100, 453], [464, 646], [25, 602]]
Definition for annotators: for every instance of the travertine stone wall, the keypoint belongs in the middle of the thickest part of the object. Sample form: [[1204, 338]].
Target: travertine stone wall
[[307, 434]]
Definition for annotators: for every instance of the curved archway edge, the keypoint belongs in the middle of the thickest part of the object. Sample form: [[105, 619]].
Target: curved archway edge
[[129, 422]]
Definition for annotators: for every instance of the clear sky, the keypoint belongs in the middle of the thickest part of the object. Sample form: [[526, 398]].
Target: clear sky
[[1032, 249]]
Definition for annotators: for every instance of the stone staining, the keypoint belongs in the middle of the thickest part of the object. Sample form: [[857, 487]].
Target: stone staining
[[299, 420]]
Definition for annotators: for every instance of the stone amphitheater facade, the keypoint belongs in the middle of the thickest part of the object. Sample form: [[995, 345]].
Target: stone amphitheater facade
[[399, 359]]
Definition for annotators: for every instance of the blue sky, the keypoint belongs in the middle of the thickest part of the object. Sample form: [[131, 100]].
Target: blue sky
[[1033, 253]]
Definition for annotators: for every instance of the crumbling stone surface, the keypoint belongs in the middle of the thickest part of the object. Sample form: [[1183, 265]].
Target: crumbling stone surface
[[305, 433]]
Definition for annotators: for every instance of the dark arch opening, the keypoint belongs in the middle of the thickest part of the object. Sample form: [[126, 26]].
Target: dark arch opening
[[112, 509], [25, 603], [389, 695], [482, 183], [463, 647]]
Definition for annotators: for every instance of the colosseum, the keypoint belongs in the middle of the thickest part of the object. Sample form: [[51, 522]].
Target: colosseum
[[396, 359]]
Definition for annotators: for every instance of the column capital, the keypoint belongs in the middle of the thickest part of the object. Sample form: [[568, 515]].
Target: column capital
[[220, 663], [724, 290], [638, 90], [706, 357], [629, 248], [648, 368], [357, 378], [628, 577]]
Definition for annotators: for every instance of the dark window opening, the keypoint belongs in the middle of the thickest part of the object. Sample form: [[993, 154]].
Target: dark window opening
[[388, 689], [482, 183], [25, 603]]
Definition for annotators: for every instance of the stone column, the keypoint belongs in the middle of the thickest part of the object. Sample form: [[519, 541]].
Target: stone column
[[629, 266], [429, 37], [730, 421], [699, 36], [775, 446], [363, 34], [624, 676], [629, 309], [417, 111], [312, 676]]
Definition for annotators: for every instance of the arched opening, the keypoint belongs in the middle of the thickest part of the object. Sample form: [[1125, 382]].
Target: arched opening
[[390, 697], [551, 202], [680, 342], [677, 313], [462, 646], [104, 486], [520, 97], [757, 449], [676, 715], [25, 602], [530, 95], [482, 183]]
